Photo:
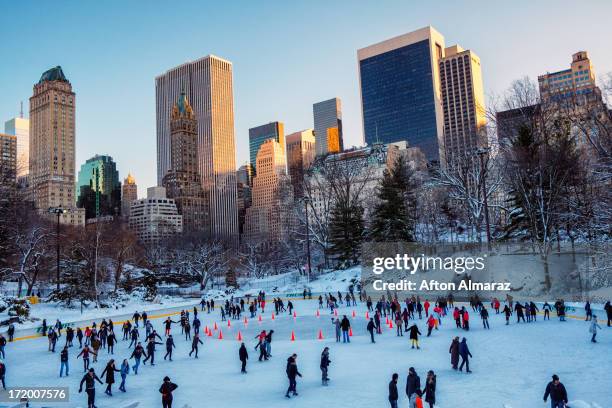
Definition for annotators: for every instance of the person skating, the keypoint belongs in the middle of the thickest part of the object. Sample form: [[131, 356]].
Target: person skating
[[484, 315], [52, 337], [588, 311], [556, 390], [166, 390], [292, 374], [2, 346], [44, 327], [109, 370], [546, 308], [325, 361], [194, 345], [85, 353], [608, 309], [519, 312], [111, 339], [64, 361], [169, 346], [398, 324], [465, 354], [243, 355], [261, 344], [69, 336], [337, 328], [414, 336], [124, 371], [430, 389], [413, 384], [268, 343], [431, 323], [593, 328], [534, 311], [137, 354], [79, 336], [90, 379], [454, 352], [508, 312], [3, 374], [465, 316], [346, 326], [134, 334], [151, 351], [95, 345], [370, 327], [136, 318], [393, 393], [168, 326]]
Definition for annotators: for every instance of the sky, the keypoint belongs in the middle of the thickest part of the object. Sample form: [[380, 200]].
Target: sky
[[286, 56]]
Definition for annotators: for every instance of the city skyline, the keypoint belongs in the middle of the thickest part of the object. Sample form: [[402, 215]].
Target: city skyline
[[116, 114]]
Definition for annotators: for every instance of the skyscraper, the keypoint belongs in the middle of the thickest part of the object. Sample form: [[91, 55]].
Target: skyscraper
[[400, 91], [259, 134], [99, 188], [576, 81], [8, 160], [207, 82], [20, 128], [327, 117], [52, 145], [300, 155], [463, 106], [269, 218], [156, 217], [129, 193], [183, 182]]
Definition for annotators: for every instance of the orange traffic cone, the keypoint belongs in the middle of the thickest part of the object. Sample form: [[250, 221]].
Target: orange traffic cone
[[320, 334], [260, 317], [390, 324], [335, 312], [318, 314], [387, 320], [239, 338], [353, 313], [229, 323], [220, 335], [246, 321], [292, 336], [215, 327], [206, 330], [272, 317], [367, 315], [350, 332], [294, 315]]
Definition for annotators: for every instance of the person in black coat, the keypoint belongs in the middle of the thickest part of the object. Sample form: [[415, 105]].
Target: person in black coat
[[90, 379], [325, 365], [393, 394], [464, 352], [345, 325], [166, 390], [194, 345], [430, 389], [151, 351], [243, 355], [110, 342], [370, 328], [454, 352], [292, 373], [169, 346], [557, 392], [413, 384], [109, 370], [414, 336], [2, 374]]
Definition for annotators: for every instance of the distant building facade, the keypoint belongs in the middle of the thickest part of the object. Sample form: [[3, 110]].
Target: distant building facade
[[183, 182], [8, 159], [52, 146], [300, 155], [208, 84], [327, 118], [269, 218], [129, 193], [99, 187], [258, 135], [156, 217], [20, 128]]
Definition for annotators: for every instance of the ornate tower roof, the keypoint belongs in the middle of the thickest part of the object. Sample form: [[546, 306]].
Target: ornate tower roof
[[130, 179], [53, 74], [182, 108]]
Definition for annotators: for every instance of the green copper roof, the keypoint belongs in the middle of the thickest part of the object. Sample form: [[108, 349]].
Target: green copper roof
[[53, 74]]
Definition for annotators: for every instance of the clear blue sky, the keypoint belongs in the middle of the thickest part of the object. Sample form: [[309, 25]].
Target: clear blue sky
[[286, 55]]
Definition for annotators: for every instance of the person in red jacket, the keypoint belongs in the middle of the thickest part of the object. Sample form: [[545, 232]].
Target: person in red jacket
[[431, 323], [426, 306], [457, 317], [466, 320]]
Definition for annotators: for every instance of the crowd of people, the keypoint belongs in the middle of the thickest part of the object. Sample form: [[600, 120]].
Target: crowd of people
[[143, 339]]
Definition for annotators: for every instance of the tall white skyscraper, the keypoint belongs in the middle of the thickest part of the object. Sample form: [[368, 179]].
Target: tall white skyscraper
[[207, 82], [20, 128]]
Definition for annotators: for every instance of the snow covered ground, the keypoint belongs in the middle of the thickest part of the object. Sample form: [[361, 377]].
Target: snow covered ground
[[511, 365]]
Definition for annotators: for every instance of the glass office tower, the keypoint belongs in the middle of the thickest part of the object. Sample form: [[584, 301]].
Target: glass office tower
[[99, 188], [258, 135], [400, 91]]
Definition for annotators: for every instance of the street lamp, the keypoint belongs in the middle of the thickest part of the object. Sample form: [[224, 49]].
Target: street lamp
[[482, 152], [58, 211], [306, 201]]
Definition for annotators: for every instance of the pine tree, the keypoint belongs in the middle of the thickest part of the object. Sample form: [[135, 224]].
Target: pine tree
[[394, 217], [346, 233]]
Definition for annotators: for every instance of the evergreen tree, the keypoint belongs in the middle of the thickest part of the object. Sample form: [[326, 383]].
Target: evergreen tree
[[394, 217], [346, 232]]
